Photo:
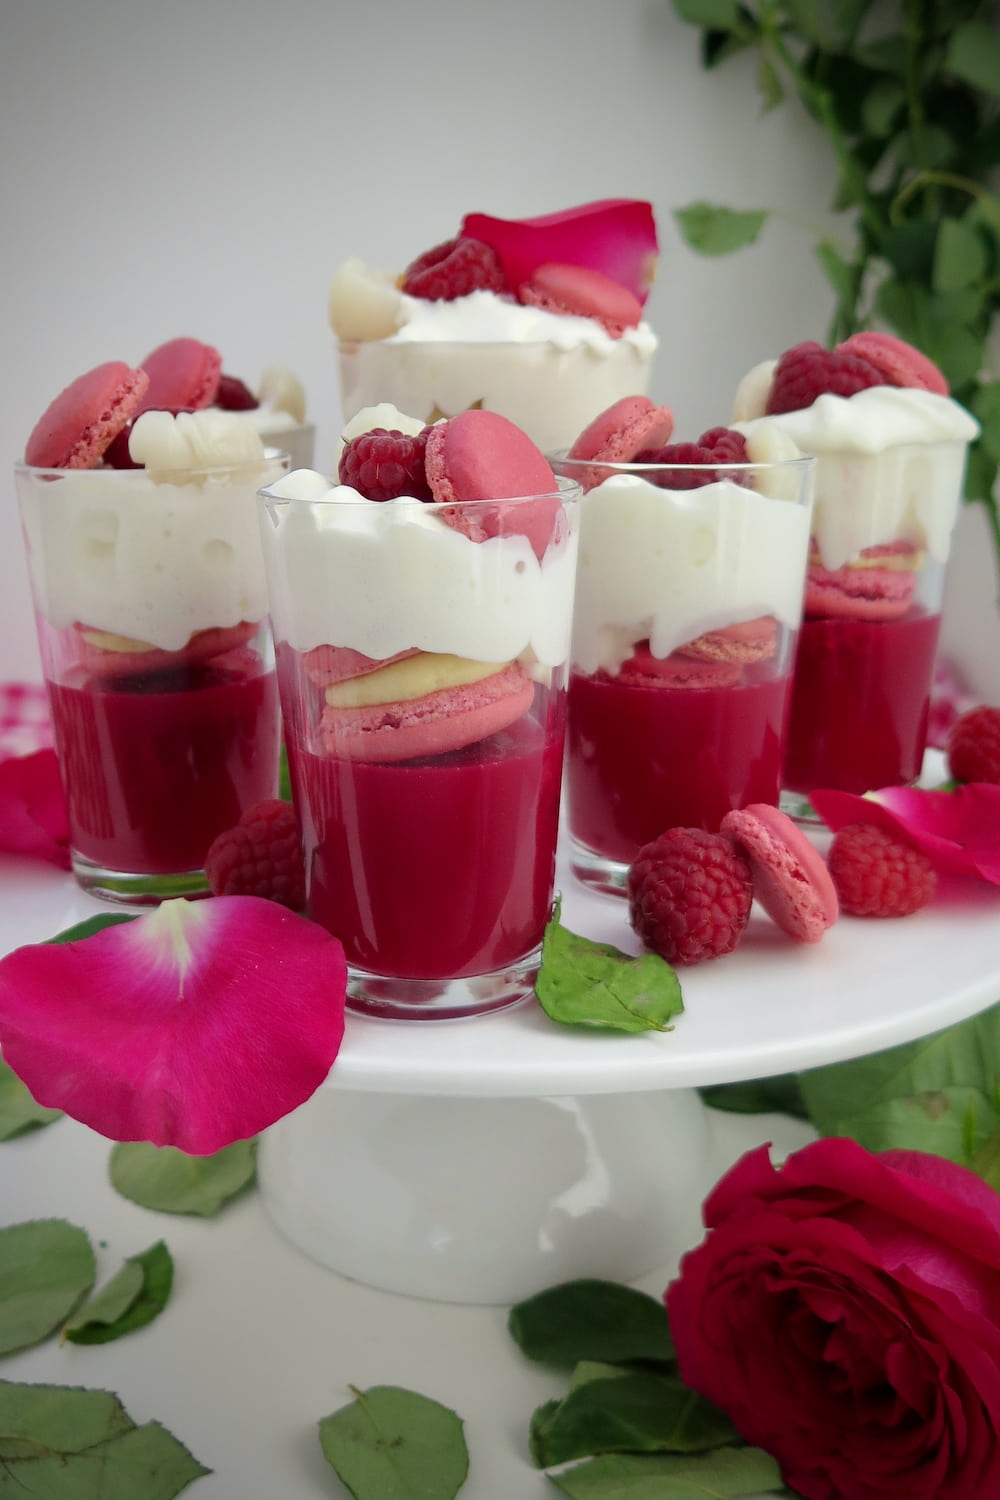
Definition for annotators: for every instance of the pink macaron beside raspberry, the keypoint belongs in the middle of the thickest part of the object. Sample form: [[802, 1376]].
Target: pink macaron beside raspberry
[[622, 431], [583, 293], [900, 363], [183, 376], [77, 427], [880, 588], [790, 878]]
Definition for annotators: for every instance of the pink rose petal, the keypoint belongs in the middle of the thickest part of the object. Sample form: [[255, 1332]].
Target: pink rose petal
[[959, 831], [33, 808], [615, 235], [195, 1026]]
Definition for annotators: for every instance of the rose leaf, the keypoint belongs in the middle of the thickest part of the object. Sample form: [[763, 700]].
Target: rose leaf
[[627, 1411], [68, 1443], [170, 1181], [132, 1298], [722, 1475], [591, 1319], [90, 925], [391, 1441], [46, 1267], [778, 1095], [718, 231], [19, 1112], [595, 985]]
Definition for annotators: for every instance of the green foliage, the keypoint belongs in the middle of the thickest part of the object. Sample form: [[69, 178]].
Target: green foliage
[[133, 1297], [18, 1111], [595, 985], [592, 1320], [172, 1182], [46, 1267], [394, 1442], [908, 96]]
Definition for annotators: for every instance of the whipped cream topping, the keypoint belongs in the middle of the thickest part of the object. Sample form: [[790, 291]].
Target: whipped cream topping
[[670, 565], [485, 317], [890, 465], [384, 577], [152, 557]]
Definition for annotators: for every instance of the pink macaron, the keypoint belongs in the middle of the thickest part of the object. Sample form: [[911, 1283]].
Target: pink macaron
[[204, 646], [479, 456], [326, 665], [76, 428], [869, 592], [622, 431], [791, 880], [582, 292], [183, 375], [898, 361], [448, 719], [643, 669], [746, 642]]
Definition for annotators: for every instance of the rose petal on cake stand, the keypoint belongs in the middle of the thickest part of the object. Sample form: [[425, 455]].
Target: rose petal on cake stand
[[33, 809], [959, 831], [194, 1026], [615, 235]]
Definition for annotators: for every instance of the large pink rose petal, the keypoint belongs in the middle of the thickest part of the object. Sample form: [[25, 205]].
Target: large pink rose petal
[[959, 831], [33, 809], [195, 1026], [615, 235]]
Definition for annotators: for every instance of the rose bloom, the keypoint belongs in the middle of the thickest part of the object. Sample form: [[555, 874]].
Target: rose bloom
[[844, 1310]]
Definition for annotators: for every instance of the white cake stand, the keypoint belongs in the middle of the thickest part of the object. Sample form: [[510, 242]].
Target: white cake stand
[[479, 1160]]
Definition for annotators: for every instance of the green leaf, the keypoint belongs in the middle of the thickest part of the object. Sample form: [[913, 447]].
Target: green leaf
[[959, 256], [769, 83], [634, 1411], [923, 148], [18, 1111], [985, 405], [91, 925], [980, 475], [974, 55], [594, 985], [882, 104], [919, 1095], [65, 1443], [889, 54], [591, 1319], [723, 1475], [721, 15], [130, 1300], [780, 1094], [909, 249], [284, 776], [392, 1444], [985, 1162], [169, 1180], [718, 231], [839, 272], [46, 1266]]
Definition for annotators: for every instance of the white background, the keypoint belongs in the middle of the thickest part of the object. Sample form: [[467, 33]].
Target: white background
[[202, 167]]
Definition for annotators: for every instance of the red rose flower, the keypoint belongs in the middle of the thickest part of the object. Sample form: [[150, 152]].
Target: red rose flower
[[844, 1310]]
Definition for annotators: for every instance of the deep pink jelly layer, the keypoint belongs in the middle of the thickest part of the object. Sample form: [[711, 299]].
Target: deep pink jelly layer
[[644, 759], [860, 702], [434, 869], [156, 766]]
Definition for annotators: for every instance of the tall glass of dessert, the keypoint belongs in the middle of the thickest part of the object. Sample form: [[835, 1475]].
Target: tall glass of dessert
[[422, 658], [689, 598], [151, 612]]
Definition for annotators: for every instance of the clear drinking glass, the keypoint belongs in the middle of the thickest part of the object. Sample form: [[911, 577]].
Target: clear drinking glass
[[689, 597], [151, 610], [422, 656], [550, 391]]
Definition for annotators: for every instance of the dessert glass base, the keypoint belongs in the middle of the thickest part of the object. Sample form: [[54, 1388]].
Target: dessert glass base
[[131, 889], [597, 872], [397, 999]]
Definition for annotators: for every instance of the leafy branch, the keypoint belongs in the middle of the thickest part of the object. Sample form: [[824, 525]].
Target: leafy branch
[[907, 93]]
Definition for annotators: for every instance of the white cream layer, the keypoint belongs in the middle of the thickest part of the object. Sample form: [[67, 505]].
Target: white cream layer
[[890, 466], [670, 565], [383, 577]]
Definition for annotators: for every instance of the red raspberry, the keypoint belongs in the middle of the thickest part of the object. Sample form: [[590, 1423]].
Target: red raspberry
[[877, 875], [261, 856], [383, 464], [718, 445], [974, 745], [689, 895], [454, 269], [808, 370], [234, 395]]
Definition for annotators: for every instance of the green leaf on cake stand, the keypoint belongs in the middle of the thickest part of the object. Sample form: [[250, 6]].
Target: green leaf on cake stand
[[170, 1181]]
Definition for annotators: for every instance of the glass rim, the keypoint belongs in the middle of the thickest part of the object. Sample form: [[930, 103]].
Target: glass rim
[[805, 463], [568, 489], [350, 345], [272, 455]]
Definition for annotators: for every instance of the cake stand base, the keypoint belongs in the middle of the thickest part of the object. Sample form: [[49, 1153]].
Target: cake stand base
[[488, 1200]]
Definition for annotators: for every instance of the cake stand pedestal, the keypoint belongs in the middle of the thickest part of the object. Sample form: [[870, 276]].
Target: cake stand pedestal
[[483, 1159]]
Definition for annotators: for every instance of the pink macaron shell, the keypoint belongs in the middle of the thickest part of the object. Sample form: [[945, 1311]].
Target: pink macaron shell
[[899, 362], [449, 719], [182, 373], [202, 647], [480, 456], [858, 593], [746, 642], [582, 292], [644, 669], [326, 665], [624, 429], [78, 426], [791, 880]]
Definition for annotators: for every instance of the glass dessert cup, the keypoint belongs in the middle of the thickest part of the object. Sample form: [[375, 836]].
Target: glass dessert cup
[[426, 779], [550, 392], [868, 641], [157, 656], [688, 603]]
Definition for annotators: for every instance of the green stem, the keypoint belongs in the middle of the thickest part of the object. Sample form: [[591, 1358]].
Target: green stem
[[944, 179]]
